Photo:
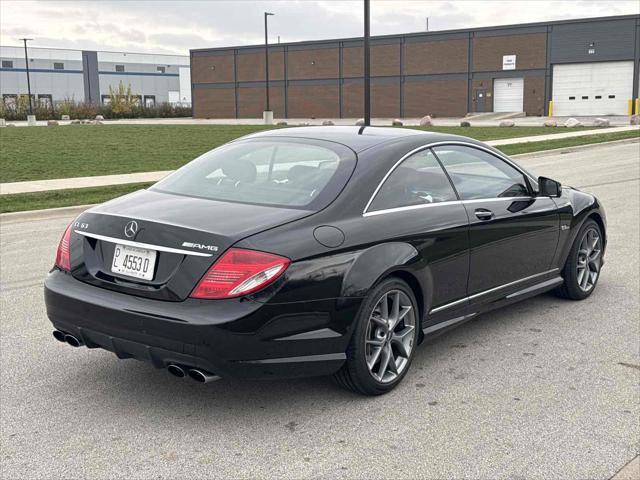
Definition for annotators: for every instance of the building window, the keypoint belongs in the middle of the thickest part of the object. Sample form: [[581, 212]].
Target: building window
[[58, 66], [161, 69], [149, 101], [7, 63], [119, 68], [106, 99], [612, 96], [45, 101]]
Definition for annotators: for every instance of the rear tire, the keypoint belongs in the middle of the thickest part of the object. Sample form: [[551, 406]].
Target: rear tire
[[384, 339], [582, 269]]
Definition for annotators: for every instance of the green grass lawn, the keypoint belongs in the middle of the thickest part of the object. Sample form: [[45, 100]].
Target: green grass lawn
[[83, 196], [78, 151]]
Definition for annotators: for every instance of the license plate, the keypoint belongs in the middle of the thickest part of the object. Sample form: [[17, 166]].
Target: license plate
[[133, 262]]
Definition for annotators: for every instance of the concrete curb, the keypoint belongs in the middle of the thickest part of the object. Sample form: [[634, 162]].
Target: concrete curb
[[576, 148], [631, 471], [45, 214]]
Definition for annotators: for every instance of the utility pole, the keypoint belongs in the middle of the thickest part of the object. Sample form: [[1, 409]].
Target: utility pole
[[26, 60], [427, 24], [266, 67], [367, 67]]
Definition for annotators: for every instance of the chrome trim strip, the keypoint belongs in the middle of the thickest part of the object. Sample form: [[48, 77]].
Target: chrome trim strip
[[435, 144], [441, 325], [485, 292], [130, 243], [449, 202], [325, 357]]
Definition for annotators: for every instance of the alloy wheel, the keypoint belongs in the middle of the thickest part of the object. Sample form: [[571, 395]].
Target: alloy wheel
[[390, 336], [589, 259]]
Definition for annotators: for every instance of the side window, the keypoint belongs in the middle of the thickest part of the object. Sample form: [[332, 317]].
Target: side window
[[416, 181], [478, 174]]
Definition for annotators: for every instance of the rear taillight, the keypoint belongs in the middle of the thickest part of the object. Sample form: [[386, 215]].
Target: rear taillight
[[63, 256], [239, 272]]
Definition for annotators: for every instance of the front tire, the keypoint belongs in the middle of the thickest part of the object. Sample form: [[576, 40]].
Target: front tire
[[385, 337], [582, 268]]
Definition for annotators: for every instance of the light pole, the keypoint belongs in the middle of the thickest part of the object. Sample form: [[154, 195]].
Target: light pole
[[367, 67], [26, 60], [268, 115]]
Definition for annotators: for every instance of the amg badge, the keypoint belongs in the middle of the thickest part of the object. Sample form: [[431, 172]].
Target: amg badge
[[200, 246]]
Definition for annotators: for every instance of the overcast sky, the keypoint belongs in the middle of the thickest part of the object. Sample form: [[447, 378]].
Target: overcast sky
[[172, 26]]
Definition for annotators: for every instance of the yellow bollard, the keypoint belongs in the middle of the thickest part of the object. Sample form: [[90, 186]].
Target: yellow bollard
[[630, 107], [551, 108], [637, 106]]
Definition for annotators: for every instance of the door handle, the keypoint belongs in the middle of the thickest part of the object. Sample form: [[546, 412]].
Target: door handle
[[484, 214]]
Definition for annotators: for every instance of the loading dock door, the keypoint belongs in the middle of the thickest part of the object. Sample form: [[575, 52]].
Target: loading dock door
[[602, 88], [508, 94]]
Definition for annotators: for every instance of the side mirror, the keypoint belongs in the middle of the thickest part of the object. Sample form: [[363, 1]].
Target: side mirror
[[548, 187]]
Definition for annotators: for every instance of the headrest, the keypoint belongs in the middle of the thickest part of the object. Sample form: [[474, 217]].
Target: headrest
[[299, 172], [240, 170]]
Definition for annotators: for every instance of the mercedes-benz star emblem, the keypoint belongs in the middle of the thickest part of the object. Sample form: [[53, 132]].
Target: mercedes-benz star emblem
[[131, 228]]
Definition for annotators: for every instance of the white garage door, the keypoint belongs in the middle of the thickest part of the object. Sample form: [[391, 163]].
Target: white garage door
[[508, 94], [602, 88]]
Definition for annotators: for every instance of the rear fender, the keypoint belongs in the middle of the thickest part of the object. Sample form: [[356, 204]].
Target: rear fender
[[375, 263]]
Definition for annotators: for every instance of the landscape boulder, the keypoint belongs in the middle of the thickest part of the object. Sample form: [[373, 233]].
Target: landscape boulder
[[11, 125], [507, 123], [75, 122], [99, 117], [52, 123], [572, 123], [397, 122], [360, 122], [65, 118], [634, 120], [426, 121], [465, 123], [550, 123], [601, 122], [328, 123]]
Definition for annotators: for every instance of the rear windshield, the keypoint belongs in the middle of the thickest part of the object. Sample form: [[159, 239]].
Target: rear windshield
[[294, 173]]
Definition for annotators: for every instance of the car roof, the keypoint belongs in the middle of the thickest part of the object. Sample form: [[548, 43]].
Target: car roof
[[356, 138]]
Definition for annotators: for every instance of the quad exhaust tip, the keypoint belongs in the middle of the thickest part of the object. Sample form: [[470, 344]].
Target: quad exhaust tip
[[176, 371], [58, 335], [202, 377], [67, 338]]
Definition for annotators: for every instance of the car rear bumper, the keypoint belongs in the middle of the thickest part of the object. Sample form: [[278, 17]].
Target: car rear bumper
[[239, 338]]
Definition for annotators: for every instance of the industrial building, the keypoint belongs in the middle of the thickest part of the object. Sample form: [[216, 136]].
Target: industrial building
[[572, 67], [85, 76]]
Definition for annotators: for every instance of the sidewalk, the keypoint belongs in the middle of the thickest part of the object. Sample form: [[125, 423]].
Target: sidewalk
[[107, 180]]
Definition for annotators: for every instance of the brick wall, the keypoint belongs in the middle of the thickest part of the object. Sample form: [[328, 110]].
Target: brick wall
[[534, 95], [446, 56], [385, 61], [212, 68], [319, 101], [251, 101], [385, 99], [530, 51], [313, 63], [251, 66], [214, 103], [442, 98]]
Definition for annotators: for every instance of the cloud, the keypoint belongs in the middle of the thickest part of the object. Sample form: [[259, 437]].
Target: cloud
[[177, 26]]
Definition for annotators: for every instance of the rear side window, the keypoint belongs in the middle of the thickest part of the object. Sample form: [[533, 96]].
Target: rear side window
[[419, 180], [289, 173], [478, 174]]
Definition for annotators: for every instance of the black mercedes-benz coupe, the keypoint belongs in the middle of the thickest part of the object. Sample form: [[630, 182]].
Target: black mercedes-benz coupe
[[318, 251]]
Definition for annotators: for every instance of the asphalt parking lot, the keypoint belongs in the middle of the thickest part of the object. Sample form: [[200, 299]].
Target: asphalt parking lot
[[547, 388]]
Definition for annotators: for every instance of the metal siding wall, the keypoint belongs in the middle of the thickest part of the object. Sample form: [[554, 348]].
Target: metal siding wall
[[614, 40]]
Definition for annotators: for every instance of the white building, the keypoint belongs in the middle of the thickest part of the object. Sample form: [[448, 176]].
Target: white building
[[85, 76]]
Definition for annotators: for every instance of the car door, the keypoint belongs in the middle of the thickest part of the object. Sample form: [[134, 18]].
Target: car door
[[513, 234], [416, 203]]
